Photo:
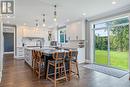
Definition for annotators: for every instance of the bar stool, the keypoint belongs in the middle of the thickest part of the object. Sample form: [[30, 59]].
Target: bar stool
[[73, 62], [59, 67], [39, 64], [34, 57]]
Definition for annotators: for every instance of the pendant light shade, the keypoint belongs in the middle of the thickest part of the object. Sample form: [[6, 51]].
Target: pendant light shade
[[55, 13], [44, 20]]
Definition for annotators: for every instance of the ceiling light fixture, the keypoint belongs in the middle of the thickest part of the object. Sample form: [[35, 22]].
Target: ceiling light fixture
[[44, 20], [55, 13], [84, 14], [37, 24], [24, 24], [114, 2]]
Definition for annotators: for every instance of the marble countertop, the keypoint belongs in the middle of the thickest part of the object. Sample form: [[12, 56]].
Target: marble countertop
[[48, 48]]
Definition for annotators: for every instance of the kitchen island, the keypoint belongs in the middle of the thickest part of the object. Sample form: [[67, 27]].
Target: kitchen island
[[47, 56]]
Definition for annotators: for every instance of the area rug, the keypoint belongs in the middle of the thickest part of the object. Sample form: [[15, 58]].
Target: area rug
[[107, 70]]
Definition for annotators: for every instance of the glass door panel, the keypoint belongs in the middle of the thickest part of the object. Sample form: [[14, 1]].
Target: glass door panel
[[101, 47], [119, 46]]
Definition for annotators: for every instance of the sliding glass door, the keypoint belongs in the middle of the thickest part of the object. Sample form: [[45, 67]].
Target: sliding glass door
[[112, 43], [101, 46], [119, 43]]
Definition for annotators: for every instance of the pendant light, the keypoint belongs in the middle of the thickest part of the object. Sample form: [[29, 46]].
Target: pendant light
[[37, 24], [55, 13], [44, 20]]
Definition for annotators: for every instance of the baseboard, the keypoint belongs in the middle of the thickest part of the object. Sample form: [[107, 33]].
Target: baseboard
[[81, 62], [8, 52], [18, 57], [88, 61]]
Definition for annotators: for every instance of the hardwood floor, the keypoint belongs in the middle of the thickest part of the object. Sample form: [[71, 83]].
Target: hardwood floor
[[17, 73]]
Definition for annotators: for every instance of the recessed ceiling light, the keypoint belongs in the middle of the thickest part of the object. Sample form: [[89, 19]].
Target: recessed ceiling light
[[24, 24], [84, 14], [114, 2]]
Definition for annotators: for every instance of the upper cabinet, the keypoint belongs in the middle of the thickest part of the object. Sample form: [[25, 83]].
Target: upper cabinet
[[26, 31], [32, 32], [76, 31]]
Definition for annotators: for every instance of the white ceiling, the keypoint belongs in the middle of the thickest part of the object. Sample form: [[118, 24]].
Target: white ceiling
[[27, 11]]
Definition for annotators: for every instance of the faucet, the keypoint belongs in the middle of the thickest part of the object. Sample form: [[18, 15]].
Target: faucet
[[37, 43]]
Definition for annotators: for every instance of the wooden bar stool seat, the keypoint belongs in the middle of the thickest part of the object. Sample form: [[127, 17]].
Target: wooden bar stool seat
[[59, 70]]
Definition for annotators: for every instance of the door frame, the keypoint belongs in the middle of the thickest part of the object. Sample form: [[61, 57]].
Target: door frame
[[1, 49], [15, 37], [129, 43]]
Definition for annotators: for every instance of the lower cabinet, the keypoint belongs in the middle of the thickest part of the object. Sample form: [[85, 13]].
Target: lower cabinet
[[20, 52], [81, 55], [28, 57]]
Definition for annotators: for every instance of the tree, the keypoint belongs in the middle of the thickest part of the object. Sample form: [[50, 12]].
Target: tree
[[119, 38]]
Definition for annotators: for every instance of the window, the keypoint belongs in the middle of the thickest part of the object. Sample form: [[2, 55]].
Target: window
[[62, 35]]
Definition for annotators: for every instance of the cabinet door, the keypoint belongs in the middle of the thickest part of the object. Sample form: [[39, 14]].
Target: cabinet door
[[19, 36], [78, 31], [20, 52], [81, 55], [74, 31], [71, 32], [28, 57]]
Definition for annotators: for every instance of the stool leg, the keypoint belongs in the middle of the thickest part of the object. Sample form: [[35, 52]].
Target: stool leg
[[55, 75], [33, 66], [65, 71], [47, 71], [39, 71], [70, 69], [59, 70], [77, 69]]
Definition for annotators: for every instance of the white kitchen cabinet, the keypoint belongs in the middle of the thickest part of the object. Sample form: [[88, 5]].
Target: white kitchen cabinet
[[32, 32], [75, 31], [28, 57], [20, 52], [81, 55], [19, 36]]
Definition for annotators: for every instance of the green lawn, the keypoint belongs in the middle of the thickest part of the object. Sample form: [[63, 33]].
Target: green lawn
[[117, 59]]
